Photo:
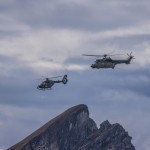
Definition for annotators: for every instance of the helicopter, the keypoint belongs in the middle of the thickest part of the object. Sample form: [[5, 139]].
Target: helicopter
[[48, 82], [107, 62]]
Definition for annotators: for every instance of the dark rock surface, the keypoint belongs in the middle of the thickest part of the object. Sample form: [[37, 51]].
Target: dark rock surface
[[74, 130]]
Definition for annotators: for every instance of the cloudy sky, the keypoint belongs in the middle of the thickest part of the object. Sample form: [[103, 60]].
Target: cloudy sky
[[47, 38]]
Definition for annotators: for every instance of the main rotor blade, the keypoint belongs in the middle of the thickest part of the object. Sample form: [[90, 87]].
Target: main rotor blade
[[55, 77], [43, 77], [104, 55], [93, 55]]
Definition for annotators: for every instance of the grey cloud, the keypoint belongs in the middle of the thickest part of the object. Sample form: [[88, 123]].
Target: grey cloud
[[4, 58], [126, 43], [136, 81], [80, 60], [17, 81], [46, 59], [120, 95], [95, 17], [10, 34]]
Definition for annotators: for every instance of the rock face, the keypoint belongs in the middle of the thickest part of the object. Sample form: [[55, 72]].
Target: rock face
[[74, 130]]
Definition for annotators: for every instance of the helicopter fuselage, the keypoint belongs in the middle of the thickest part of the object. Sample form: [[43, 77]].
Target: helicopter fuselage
[[99, 65], [48, 83], [107, 62]]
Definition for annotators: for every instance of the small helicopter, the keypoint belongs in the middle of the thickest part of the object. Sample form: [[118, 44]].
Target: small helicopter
[[107, 62], [48, 82]]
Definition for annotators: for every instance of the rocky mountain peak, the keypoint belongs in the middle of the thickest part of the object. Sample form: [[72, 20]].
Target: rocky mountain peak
[[74, 130], [105, 125]]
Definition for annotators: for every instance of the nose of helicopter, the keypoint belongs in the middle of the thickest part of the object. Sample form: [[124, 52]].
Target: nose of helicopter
[[92, 66], [39, 86]]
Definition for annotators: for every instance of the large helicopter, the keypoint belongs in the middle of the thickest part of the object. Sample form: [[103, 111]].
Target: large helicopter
[[48, 82], [107, 62]]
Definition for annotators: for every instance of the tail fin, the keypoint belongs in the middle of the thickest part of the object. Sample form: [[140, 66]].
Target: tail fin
[[130, 58], [65, 80]]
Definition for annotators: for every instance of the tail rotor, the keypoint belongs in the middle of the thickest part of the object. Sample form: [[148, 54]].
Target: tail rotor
[[65, 80], [130, 57]]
